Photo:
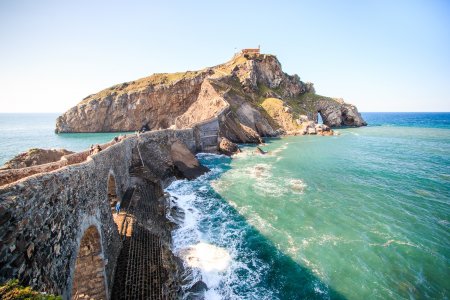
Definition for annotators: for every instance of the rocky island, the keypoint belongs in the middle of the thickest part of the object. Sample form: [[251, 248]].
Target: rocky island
[[260, 100]]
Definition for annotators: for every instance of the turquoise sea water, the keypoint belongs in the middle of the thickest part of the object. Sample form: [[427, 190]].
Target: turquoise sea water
[[365, 214], [20, 132]]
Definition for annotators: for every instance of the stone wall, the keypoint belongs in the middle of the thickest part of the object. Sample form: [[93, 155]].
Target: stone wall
[[206, 133], [8, 176], [44, 217]]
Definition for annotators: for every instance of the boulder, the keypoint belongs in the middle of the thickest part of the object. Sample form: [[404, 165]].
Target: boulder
[[227, 147], [185, 162]]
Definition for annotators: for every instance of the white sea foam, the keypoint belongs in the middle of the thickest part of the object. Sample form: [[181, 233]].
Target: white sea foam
[[297, 186], [392, 241], [259, 171], [443, 222], [207, 257], [268, 188], [211, 248], [279, 149]]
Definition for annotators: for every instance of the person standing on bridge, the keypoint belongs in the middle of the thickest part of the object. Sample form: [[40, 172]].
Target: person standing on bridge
[[118, 207]]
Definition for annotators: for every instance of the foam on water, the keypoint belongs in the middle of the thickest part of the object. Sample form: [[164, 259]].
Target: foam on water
[[210, 247], [207, 257]]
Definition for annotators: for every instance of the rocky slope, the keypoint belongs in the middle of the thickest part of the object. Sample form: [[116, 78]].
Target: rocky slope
[[34, 157], [258, 99]]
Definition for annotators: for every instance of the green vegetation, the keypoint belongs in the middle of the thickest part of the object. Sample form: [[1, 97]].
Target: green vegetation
[[301, 105], [275, 108], [13, 291], [272, 105]]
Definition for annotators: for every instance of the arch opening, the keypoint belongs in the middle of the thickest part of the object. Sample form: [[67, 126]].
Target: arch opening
[[113, 199], [320, 119], [89, 278], [112, 192]]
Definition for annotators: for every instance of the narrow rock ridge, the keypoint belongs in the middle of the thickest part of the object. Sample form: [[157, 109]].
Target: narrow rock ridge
[[245, 85]]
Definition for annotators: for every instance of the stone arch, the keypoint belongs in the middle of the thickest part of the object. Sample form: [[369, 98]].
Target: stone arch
[[89, 280]]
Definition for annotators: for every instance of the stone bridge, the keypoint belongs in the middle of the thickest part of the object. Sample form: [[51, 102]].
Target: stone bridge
[[59, 232]]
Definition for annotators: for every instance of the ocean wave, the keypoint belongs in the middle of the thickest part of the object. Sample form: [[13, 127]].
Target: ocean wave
[[212, 249], [279, 149]]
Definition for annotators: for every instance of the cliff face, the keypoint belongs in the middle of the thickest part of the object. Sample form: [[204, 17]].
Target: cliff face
[[246, 85]]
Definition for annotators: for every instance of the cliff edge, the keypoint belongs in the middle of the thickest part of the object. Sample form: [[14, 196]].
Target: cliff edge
[[258, 97]]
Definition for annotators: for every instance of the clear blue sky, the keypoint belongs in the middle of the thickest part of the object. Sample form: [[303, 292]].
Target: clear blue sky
[[378, 55]]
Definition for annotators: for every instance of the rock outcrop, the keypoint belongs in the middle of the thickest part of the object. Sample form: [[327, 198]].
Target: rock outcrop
[[185, 162], [250, 94], [34, 157], [227, 147], [336, 112]]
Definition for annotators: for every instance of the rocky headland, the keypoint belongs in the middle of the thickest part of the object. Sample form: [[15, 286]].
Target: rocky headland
[[261, 99]]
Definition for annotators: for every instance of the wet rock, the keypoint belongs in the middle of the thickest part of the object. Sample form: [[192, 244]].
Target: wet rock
[[260, 151], [5, 216], [197, 290]]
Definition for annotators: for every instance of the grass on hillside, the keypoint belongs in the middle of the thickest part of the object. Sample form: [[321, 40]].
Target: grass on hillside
[[136, 85], [275, 108]]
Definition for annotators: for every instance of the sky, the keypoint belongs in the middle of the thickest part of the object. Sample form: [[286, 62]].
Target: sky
[[379, 55]]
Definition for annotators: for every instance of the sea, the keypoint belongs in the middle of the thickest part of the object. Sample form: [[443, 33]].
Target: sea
[[361, 215]]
